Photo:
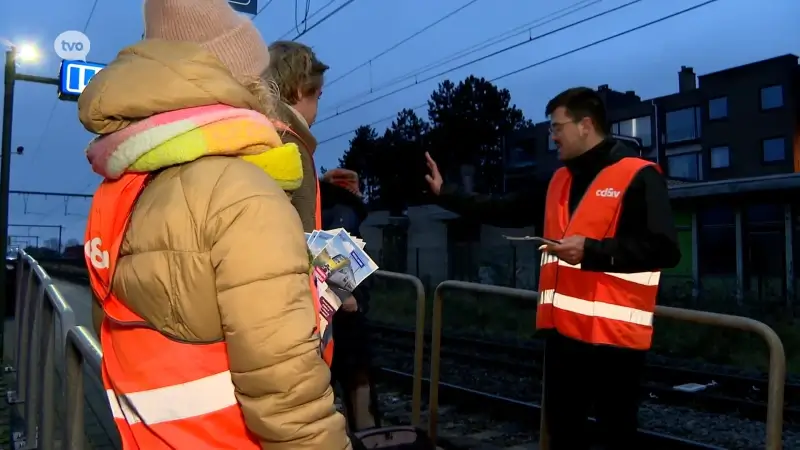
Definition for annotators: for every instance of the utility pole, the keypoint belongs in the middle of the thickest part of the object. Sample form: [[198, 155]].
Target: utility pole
[[10, 78], [31, 226]]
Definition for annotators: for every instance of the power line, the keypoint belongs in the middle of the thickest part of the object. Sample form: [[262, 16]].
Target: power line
[[482, 58], [496, 39], [311, 16], [51, 114], [91, 13], [547, 60], [330, 14], [260, 10], [401, 42]]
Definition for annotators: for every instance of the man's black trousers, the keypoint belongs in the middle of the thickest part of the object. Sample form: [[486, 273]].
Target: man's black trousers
[[352, 361], [584, 380]]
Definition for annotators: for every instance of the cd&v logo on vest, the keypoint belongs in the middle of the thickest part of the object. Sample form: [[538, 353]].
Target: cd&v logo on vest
[[98, 257], [607, 192]]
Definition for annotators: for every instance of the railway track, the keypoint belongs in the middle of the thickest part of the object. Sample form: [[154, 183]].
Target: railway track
[[526, 414], [713, 392]]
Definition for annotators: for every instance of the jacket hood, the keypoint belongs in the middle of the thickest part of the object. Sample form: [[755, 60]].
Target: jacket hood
[[156, 76], [332, 195]]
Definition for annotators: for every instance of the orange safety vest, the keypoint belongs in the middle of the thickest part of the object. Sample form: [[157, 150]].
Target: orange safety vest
[[164, 394], [594, 307], [326, 339]]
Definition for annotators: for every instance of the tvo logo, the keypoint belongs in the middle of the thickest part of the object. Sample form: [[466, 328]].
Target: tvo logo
[[72, 45], [607, 192]]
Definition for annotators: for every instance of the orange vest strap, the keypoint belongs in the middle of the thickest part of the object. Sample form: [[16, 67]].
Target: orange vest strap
[[110, 213]]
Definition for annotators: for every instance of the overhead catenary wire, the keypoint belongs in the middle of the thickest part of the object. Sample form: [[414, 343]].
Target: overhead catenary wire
[[51, 114], [37, 150], [320, 21], [401, 42], [260, 10], [311, 16], [482, 58], [496, 39], [545, 61]]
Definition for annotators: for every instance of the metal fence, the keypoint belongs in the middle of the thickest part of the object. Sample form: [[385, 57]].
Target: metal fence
[[42, 349], [777, 357], [48, 342]]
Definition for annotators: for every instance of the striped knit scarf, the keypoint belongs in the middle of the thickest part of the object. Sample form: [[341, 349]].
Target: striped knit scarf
[[182, 136]]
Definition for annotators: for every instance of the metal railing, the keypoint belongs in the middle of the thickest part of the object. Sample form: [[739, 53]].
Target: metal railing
[[419, 339], [39, 352], [777, 357]]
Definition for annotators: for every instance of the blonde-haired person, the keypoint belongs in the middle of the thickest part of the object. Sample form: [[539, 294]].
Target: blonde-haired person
[[299, 76], [196, 256]]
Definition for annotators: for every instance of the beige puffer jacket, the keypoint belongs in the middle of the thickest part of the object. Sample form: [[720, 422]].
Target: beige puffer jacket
[[215, 251]]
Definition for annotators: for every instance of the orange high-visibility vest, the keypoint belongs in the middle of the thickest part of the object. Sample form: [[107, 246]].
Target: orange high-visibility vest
[[326, 339], [594, 307], [164, 394]]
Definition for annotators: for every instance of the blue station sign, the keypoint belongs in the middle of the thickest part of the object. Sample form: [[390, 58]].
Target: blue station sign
[[74, 76], [244, 6]]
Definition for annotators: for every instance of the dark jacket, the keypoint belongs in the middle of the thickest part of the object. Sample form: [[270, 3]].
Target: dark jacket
[[646, 238], [343, 209]]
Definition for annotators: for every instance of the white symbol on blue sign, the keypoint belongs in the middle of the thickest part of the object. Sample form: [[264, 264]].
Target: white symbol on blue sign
[[75, 75]]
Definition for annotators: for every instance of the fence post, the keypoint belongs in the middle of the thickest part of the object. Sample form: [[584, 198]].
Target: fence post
[[436, 346], [777, 360], [23, 323], [46, 407], [33, 382], [419, 340], [73, 429]]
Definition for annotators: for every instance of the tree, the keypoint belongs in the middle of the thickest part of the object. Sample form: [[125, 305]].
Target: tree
[[322, 170], [469, 122], [360, 157], [400, 164]]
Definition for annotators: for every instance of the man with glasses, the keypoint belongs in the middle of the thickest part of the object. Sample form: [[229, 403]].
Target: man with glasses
[[608, 217]]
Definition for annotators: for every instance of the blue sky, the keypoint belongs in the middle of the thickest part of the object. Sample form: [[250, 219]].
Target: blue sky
[[723, 34]]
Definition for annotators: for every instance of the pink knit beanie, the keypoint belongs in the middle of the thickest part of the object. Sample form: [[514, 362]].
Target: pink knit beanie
[[213, 24]]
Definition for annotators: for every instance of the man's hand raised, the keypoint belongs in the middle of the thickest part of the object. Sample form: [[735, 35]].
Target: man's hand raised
[[434, 178]]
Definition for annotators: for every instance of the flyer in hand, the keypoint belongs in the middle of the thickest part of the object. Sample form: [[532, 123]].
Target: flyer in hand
[[340, 265]]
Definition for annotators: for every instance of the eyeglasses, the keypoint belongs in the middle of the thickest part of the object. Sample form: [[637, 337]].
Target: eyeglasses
[[556, 127]]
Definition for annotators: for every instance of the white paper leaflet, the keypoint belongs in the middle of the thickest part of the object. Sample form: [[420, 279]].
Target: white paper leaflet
[[341, 264]]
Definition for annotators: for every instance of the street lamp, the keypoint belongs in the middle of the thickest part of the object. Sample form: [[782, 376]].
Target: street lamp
[[27, 53]]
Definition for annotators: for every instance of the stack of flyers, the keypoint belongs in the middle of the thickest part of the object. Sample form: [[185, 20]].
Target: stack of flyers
[[340, 265], [339, 259]]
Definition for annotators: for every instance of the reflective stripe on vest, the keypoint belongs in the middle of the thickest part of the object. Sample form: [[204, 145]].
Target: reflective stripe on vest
[[325, 339], [595, 307], [163, 394]]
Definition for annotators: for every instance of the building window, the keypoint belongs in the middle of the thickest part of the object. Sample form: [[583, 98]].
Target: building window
[[683, 124], [773, 150], [720, 157], [718, 108], [638, 127], [772, 97], [685, 166], [551, 146]]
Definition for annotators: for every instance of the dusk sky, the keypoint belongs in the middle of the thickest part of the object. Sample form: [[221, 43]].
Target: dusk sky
[[723, 34]]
